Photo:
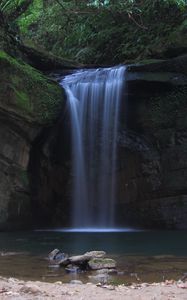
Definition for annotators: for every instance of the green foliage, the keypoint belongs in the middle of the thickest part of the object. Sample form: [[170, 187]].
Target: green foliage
[[31, 16], [104, 31], [7, 6]]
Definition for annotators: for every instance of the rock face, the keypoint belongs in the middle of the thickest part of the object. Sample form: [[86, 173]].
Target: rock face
[[152, 170], [35, 152], [28, 103]]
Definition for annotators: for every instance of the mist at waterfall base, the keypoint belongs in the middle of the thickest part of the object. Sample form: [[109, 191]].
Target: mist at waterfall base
[[93, 98]]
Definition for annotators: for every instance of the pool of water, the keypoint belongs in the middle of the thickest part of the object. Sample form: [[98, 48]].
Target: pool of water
[[140, 255]]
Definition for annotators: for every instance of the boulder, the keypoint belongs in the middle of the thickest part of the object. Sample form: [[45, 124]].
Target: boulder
[[58, 257], [52, 254], [102, 263], [82, 259], [79, 259], [95, 254]]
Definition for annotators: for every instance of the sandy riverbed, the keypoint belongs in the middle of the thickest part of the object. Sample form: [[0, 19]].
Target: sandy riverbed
[[11, 288]]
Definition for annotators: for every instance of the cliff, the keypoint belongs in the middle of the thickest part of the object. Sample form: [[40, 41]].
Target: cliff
[[35, 162]]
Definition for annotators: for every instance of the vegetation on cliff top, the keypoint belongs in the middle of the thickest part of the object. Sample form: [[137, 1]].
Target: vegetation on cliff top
[[107, 31]]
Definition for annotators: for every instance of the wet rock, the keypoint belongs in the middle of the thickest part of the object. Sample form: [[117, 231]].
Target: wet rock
[[102, 263], [57, 257], [83, 259], [61, 256], [52, 255], [95, 254], [64, 262], [79, 259], [72, 269]]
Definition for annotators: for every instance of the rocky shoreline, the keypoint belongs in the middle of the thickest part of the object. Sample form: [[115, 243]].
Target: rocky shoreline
[[11, 288]]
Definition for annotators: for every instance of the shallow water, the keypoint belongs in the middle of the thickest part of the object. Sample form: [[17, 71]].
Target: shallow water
[[140, 255]]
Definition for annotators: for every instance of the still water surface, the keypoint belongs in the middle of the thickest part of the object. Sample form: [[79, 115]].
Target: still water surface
[[140, 255]]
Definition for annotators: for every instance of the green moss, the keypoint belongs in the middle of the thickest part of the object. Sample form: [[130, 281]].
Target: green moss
[[102, 260], [27, 91]]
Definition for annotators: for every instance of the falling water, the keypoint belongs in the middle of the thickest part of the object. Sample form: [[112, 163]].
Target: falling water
[[94, 102]]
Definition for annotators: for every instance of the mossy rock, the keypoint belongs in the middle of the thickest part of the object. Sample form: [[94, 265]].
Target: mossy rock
[[45, 61], [26, 92], [102, 263], [175, 65]]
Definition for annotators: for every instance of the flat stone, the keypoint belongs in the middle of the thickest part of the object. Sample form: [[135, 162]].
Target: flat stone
[[78, 259], [96, 254], [102, 263]]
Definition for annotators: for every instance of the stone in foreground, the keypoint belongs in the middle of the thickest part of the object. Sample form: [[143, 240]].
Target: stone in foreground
[[102, 263]]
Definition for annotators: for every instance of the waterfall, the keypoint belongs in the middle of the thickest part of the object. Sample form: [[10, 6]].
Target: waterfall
[[94, 103]]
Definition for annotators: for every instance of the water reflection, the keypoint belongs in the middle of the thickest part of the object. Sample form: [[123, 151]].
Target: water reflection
[[153, 255]]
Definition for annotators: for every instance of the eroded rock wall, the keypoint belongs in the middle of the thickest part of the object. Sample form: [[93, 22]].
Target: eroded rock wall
[[152, 171], [29, 102]]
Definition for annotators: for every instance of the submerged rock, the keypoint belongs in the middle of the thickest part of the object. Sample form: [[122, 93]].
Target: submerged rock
[[102, 263], [102, 278], [73, 269], [107, 271]]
